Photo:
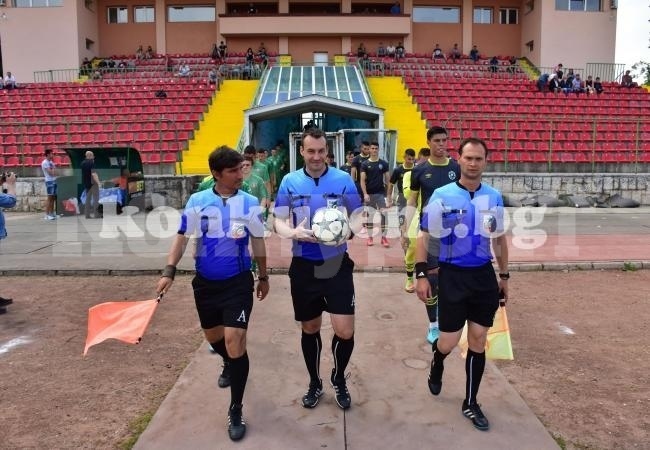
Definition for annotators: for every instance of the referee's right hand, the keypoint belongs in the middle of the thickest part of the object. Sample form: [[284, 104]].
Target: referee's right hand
[[164, 283], [423, 289]]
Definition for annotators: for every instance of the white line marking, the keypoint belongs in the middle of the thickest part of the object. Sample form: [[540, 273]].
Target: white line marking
[[4, 348]]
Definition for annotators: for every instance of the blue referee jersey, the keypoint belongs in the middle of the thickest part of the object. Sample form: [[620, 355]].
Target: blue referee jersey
[[222, 227], [465, 222], [300, 196]]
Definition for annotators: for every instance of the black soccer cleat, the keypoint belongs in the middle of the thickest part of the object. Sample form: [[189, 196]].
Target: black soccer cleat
[[473, 412], [435, 378], [224, 378], [313, 394], [236, 424], [5, 302], [342, 396]]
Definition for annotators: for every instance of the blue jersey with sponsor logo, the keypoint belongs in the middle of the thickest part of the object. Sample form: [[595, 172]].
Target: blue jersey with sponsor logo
[[222, 227], [465, 223], [300, 196]]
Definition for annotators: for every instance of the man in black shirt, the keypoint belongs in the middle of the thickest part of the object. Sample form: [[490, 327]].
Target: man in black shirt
[[397, 179], [356, 164], [374, 181], [90, 182]]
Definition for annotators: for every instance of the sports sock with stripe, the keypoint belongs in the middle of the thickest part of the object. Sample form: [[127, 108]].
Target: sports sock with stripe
[[311, 347]]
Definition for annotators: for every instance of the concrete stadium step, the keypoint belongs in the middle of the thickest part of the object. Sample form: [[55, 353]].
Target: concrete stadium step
[[400, 112], [221, 125]]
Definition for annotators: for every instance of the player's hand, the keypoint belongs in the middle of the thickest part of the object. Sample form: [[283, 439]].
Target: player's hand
[[300, 233], [11, 179], [405, 241], [423, 289], [503, 292], [366, 198], [262, 289], [164, 283]]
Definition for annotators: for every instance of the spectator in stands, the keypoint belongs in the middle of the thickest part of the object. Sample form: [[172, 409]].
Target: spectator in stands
[[474, 54], [184, 70], [86, 66], [330, 160], [396, 8], [169, 62], [577, 86], [381, 50], [559, 71], [139, 53], [121, 66], [262, 55], [455, 53], [96, 76], [247, 70], [390, 50], [569, 78], [438, 54], [553, 83], [589, 85], [494, 64], [10, 81], [513, 64], [223, 51], [214, 53], [598, 86], [149, 53], [626, 81], [399, 52], [361, 50], [213, 76], [365, 62], [542, 82]]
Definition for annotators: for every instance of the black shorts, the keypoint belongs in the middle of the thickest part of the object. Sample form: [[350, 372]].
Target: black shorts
[[466, 294], [224, 302], [318, 286]]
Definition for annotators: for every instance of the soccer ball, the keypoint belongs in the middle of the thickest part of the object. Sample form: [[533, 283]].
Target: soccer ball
[[330, 226]]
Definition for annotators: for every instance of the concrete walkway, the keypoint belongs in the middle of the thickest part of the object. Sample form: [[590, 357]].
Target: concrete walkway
[[391, 404]]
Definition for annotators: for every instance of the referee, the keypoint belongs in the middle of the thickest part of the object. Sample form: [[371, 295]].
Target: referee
[[468, 217], [320, 275], [224, 219]]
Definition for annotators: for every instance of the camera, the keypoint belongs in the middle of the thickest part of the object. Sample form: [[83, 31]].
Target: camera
[[4, 175]]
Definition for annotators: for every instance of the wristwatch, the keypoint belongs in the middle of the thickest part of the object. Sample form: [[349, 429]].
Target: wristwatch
[[504, 275]]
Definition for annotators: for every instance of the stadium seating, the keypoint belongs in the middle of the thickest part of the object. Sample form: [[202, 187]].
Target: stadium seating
[[120, 112], [523, 124]]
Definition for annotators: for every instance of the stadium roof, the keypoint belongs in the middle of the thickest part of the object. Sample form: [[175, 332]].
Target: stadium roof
[[336, 82]]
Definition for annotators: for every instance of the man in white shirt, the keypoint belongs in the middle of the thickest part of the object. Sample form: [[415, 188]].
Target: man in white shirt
[[49, 171], [9, 81]]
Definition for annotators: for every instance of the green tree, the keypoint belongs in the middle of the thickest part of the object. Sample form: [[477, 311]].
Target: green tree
[[642, 69]]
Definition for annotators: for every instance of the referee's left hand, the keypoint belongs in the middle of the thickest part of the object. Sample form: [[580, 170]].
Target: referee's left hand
[[503, 292], [262, 289]]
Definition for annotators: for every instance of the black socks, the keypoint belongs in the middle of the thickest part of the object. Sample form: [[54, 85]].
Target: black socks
[[238, 377], [311, 347], [474, 368], [342, 351]]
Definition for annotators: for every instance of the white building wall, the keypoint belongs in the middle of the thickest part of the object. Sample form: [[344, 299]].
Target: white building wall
[[35, 39], [577, 38]]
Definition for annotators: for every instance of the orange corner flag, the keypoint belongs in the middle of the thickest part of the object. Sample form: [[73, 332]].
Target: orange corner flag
[[125, 321]]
